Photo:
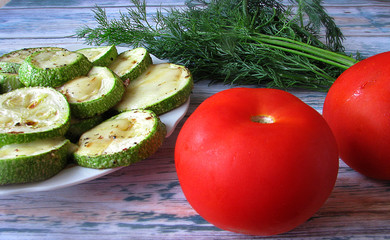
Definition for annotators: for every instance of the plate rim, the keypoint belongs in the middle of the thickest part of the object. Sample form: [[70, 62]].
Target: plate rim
[[48, 185]]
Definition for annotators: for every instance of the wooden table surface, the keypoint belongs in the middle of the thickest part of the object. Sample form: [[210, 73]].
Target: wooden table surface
[[144, 200]]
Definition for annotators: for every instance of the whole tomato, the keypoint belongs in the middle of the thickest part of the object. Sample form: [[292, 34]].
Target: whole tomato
[[357, 108], [256, 161]]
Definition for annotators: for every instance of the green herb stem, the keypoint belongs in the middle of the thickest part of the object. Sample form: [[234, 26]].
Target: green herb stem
[[297, 52], [281, 41]]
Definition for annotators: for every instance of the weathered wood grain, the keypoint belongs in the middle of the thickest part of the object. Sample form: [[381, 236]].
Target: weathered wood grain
[[120, 3], [87, 3], [53, 20], [144, 200]]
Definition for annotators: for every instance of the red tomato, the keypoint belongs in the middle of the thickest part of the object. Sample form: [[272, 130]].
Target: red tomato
[[357, 108], [256, 161]]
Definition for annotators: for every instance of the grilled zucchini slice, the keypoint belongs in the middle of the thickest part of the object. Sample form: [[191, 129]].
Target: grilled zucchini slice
[[31, 113], [161, 88], [79, 126], [93, 94], [9, 82], [100, 56], [132, 63], [121, 140], [33, 161], [10, 62], [53, 68]]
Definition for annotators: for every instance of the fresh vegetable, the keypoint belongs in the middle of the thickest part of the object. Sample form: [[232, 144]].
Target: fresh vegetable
[[160, 88], [235, 41], [93, 94], [53, 68], [31, 113], [100, 56], [256, 160], [357, 109], [33, 161], [121, 140]]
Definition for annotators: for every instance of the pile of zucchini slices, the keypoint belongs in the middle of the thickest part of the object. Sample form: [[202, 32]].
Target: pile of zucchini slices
[[92, 107]]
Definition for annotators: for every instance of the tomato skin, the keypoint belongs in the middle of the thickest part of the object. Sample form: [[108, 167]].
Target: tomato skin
[[256, 178], [357, 108]]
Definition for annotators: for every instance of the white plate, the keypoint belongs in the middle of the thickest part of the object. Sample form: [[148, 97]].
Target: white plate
[[75, 174]]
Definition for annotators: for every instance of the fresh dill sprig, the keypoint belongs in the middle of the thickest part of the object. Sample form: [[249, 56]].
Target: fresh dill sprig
[[234, 41], [318, 18]]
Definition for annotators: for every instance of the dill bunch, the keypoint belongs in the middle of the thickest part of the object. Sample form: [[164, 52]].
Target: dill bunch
[[243, 42]]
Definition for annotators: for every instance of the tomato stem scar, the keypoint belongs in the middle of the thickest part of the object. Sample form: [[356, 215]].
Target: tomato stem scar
[[265, 119]]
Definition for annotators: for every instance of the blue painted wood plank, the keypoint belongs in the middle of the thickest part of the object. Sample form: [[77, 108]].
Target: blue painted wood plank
[[35, 23], [52, 23], [145, 201], [86, 3]]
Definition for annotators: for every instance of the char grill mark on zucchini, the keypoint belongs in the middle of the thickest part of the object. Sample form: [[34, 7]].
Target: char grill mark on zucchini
[[53, 68], [35, 116], [27, 114], [132, 63], [33, 161], [94, 93], [10, 62], [121, 140], [161, 88]]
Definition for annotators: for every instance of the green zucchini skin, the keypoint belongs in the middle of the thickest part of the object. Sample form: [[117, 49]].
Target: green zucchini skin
[[100, 105], [10, 62], [23, 137], [59, 128], [142, 150], [104, 60], [26, 169], [32, 75], [136, 70], [9, 82], [9, 67], [79, 126], [166, 101], [174, 101]]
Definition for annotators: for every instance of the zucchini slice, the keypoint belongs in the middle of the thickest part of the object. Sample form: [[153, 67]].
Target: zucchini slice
[[100, 56], [9, 82], [53, 68], [34, 161], [79, 126], [93, 94], [132, 63], [161, 88], [10, 62], [31, 113], [121, 140]]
